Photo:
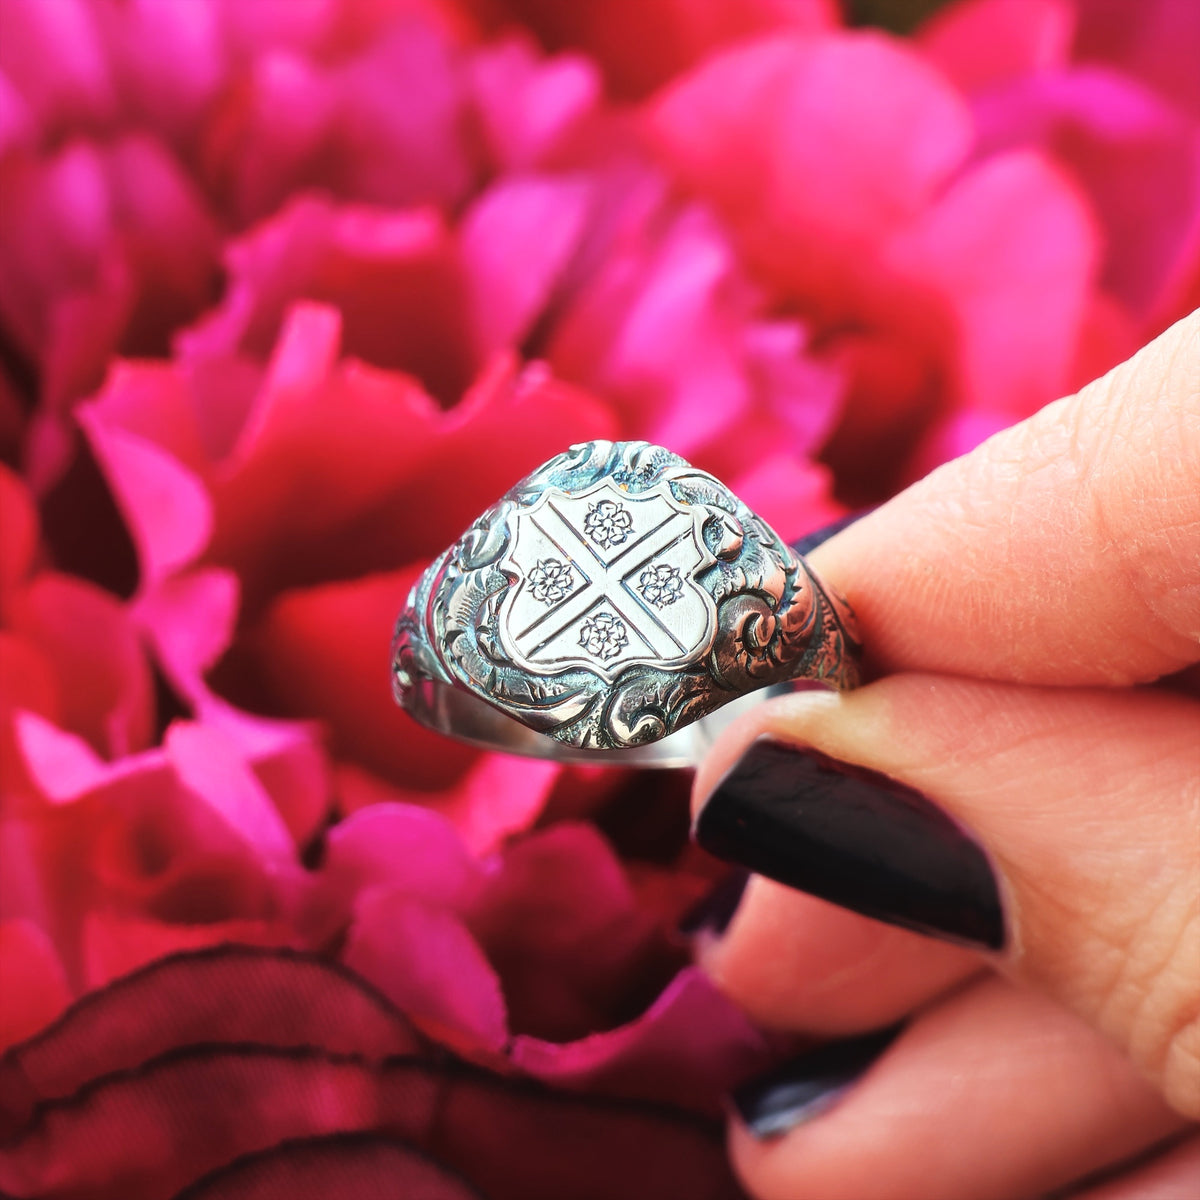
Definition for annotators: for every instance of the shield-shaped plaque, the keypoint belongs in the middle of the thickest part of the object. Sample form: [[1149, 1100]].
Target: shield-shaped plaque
[[606, 579]]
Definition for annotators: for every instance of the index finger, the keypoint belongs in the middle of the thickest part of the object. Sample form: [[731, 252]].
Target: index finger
[[1064, 550]]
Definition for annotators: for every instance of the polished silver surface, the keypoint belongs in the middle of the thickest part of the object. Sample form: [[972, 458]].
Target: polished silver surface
[[606, 603]]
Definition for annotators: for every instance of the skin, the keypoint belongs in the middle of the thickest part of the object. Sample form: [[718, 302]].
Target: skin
[[1033, 613]]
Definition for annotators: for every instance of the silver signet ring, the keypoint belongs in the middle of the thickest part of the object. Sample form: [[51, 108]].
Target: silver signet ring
[[606, 604]]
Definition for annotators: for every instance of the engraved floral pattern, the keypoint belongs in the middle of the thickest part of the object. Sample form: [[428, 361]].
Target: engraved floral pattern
[[607, 523], [551, 580], [660, 585], [603, 635]]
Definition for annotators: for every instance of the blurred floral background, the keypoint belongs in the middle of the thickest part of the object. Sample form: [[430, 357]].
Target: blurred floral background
[[291, 290]]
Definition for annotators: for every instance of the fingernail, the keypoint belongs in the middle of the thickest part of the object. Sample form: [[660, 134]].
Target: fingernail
[[714, 910], [807, 1086], [855, 838]]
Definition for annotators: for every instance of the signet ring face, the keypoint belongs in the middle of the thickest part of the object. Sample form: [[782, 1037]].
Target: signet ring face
[[609, 601]]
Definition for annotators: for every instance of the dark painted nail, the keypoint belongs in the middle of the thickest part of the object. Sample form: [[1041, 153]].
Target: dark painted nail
[[810, 541], [807, 1086], [714, 910], [856, 838]]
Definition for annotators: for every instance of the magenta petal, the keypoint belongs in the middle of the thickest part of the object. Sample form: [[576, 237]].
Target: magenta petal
[[500, 795], [394, 277], [1138, 160], [1012, 249], [270, 130], [364, 1166], [404, 847], [115, 944], [1157, 40], [170, 60], [401, 134], [62, 765], [687, 1049], [17, 130], [427, 963], [808, 165], [375, 113], [63, 36], [527, 105], [556, 877], [581, 1147], [409, 849], [228, 993], [35, 985], [106, 246], [197, 1110], [561, 923], [661, 331], [516, 242], [166, 506], [189, 619], [210, 764], [291, 764], [104, 681], [641, 44], [19, 533], [983, 43], [319, 656], [148, 1132]]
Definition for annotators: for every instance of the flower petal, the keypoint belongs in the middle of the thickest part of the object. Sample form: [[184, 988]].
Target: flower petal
[[209, 762], [688, 1049], [189, 620], [200, 1109], [515, 243], [1012, 249], [65, 34], [641, 44], [411, 850], [103, 680], [19, 533], [426, 962], [809, 166], [365, 1166], [166, 506], [982, 43], [560, 922], [394, 276], [35, 985], [115, 944], [529, 106], [322, 652], [1154, 39], [1137, 159], [228, 993]]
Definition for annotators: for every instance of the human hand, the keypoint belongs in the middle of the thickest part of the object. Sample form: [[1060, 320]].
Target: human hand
[[1023, 786]]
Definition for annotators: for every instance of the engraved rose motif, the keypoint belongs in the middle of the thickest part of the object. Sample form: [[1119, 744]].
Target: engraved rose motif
[[603, 635], [660, 585], [607, 523], [551, 580]]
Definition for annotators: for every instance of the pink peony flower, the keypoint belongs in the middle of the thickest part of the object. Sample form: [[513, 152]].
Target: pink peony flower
[[640, 44], [289, 293], [104, 249]]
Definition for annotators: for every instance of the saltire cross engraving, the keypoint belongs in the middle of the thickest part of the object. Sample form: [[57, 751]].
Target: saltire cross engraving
[[604, 582]]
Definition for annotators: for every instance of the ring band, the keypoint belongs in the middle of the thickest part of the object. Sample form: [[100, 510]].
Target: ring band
[[604, 605]]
